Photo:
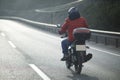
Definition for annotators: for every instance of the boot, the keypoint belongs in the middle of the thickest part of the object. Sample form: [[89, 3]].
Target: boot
[[64, 57]]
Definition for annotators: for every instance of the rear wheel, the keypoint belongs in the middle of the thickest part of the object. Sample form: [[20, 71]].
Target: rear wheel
[[78, 69], [78, 64], [68, 62]]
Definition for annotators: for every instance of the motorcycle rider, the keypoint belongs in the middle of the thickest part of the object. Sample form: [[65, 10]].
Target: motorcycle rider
[[73, 21]]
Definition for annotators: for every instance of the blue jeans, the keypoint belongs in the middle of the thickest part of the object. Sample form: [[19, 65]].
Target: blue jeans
[[65, 44]]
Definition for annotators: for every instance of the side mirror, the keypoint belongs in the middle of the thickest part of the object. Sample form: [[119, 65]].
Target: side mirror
[[58, 25]]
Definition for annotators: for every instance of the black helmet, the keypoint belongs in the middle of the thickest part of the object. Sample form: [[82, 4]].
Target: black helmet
[[73, 13], [72, 10]]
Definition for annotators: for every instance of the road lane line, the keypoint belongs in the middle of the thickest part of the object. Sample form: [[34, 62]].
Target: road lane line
[[105, 51], [11, 44], [2, 34], [39, 72]]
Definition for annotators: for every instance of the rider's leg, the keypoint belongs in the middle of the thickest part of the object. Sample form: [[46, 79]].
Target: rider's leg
[[65, 44]]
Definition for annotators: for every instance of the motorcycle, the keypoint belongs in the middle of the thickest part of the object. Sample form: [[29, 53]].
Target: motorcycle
[[77, 50]]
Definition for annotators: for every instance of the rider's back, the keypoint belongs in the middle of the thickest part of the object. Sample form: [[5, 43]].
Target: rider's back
[[70, 25]]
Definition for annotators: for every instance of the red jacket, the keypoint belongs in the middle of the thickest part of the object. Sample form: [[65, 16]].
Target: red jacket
[[70, 25]]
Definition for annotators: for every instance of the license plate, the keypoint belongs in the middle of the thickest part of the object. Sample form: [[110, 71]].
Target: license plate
[[80, 48]]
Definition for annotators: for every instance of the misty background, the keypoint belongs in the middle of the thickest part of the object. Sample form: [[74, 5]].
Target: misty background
[[100, 14]]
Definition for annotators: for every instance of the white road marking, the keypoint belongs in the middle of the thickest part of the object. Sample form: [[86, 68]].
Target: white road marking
[[2, 34], [105, 51], [39, 72], [11, 44]]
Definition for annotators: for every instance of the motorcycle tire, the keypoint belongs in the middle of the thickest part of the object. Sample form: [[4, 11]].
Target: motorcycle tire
[[68, 62], [78, 64]]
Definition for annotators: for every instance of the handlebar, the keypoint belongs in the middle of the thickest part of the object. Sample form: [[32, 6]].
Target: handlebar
[[64, 35], [58, 25]]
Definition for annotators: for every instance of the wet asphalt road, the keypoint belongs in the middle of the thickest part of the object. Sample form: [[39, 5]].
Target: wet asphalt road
[[31, 54]]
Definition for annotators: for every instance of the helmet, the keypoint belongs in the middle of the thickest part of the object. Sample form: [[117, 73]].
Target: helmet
[[73, 10], [73, 13]]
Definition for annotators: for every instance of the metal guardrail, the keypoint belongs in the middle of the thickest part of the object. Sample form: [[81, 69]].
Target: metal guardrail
[[106, 37], [99, 36]]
